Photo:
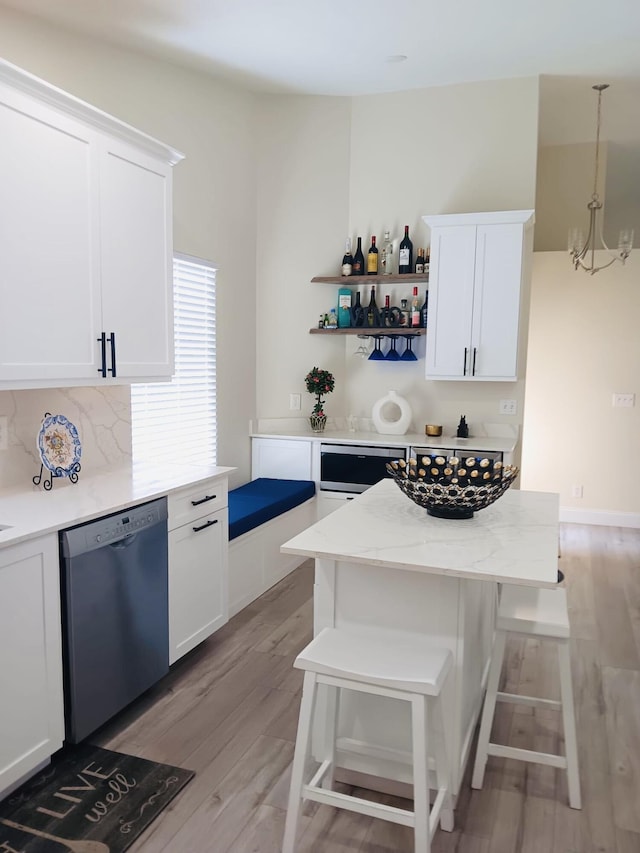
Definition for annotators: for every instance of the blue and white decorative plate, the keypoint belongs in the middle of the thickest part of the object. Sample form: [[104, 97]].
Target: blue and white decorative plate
[[59, 445]]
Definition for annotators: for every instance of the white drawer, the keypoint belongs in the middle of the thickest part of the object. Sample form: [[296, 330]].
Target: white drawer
[[195, 501]]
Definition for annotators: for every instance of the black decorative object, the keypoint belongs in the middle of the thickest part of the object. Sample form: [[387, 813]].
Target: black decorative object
[[453, 486], [463, 428], [110, 799]]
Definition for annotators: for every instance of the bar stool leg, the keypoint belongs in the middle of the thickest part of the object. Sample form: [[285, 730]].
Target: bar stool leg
[[497, 656], [329, 752], [299, 760], [443, 770], [569, 725], [419, 722]]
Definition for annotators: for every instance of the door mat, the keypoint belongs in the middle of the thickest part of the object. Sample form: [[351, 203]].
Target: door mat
[[89, 800]]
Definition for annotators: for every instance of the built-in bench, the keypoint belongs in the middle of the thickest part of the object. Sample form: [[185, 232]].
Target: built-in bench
[[262, 515]]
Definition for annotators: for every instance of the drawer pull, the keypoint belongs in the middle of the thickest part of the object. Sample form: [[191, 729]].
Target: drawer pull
[[204, 500], [205, 525]]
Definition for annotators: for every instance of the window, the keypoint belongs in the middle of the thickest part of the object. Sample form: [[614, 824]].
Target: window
[[176, 421]]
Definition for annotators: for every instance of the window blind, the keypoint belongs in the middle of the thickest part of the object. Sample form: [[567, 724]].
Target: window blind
[[176, 421]]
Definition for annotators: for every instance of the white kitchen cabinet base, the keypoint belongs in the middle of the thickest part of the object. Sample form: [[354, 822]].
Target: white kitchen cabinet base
[[31, 710], [255, 561], [456, 613], [198, 575]]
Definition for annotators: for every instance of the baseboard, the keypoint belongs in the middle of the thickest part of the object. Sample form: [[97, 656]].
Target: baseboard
[[600, 516]]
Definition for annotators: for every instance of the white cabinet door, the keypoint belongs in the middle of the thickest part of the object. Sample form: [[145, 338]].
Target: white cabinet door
[[496, 302], [280, 459], [31, 710], [85, 243], [49, 244], [476, 279], [136, 274], [198, 564], [451, 283]]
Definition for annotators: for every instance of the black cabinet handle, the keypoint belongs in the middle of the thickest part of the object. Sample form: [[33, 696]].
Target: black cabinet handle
[[103, 355], [204, 526], [204, 500], [464, 367], [473, 369], [112, 341]]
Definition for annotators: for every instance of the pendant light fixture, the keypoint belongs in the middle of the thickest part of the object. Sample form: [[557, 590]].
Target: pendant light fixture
[[583, 251]]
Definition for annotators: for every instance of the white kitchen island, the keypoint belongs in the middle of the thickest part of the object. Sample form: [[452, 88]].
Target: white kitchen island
[[384, 565]]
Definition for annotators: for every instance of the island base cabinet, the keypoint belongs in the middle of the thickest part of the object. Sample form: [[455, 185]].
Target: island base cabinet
[[198, 574], [31, 709], [374, 733]]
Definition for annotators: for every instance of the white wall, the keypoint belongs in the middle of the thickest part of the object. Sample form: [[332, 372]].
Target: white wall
[[584, 346], [212, 123], [331, 168]]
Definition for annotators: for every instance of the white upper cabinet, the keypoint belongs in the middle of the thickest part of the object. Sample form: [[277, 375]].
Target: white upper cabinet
[[478, 267], [86, 242]]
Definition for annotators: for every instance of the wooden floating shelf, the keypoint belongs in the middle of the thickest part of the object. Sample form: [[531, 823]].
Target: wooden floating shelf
[[346, 280], [373, 332]]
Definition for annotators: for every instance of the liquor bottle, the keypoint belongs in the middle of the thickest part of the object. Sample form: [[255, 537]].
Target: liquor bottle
[[404, 313], [405, 261], [420, 262], [357, 312], [423, 310], [372, 258], [427, 260], [373, 315], [347, 260], [344, 307], [415, 310], [358, 260], [387, 254], [333, 319], [321, 322]]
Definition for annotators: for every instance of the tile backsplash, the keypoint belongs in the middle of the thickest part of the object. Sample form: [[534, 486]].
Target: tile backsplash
[[102, 417]]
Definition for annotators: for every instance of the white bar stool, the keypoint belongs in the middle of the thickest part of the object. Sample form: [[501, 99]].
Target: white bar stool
[[531, 612], [411, 670]]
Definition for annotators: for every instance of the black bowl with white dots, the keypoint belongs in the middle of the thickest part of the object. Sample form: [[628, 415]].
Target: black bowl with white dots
[[452, 486]]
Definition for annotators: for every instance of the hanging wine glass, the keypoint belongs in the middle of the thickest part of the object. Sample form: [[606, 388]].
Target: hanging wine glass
[[377, 353], [393, 354], [408, 354], [363, 347]]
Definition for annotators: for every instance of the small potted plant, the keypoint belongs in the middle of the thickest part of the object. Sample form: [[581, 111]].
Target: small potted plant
[[319, 382]]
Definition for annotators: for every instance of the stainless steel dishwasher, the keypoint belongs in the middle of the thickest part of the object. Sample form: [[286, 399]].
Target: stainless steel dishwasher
[[115, 613]]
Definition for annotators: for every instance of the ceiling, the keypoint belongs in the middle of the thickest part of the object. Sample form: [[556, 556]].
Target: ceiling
[[353, 47]]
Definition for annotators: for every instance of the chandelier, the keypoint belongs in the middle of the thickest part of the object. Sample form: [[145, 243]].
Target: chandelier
[[583, 251]]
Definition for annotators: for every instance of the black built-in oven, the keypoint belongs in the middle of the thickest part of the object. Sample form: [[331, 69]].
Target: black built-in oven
[[355, 467]]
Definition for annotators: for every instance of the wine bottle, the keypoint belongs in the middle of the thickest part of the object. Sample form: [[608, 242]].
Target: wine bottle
[[358, 260], [420, 262], [357, 312], [423, 310], [387, 254], [405, 261], [415, 310], [373, 315], [347, 259], [372, 258], [385, 314]]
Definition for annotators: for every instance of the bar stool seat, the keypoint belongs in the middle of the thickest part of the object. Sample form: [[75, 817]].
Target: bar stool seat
[[412, 670], [531, 612]]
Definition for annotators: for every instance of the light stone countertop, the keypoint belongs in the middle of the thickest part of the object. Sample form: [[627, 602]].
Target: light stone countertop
[[30, 511], [515, 540], [506, 444]]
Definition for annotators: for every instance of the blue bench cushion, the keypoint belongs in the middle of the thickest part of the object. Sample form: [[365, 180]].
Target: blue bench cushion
[[263, 499]]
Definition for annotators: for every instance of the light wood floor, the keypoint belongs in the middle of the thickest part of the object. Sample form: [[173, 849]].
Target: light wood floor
[[229, 712]]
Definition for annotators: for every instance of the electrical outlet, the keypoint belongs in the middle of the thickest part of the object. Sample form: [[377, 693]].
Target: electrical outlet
[[576, 491], [508, 407], [295, 402], [626, 401], [4, 432]]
